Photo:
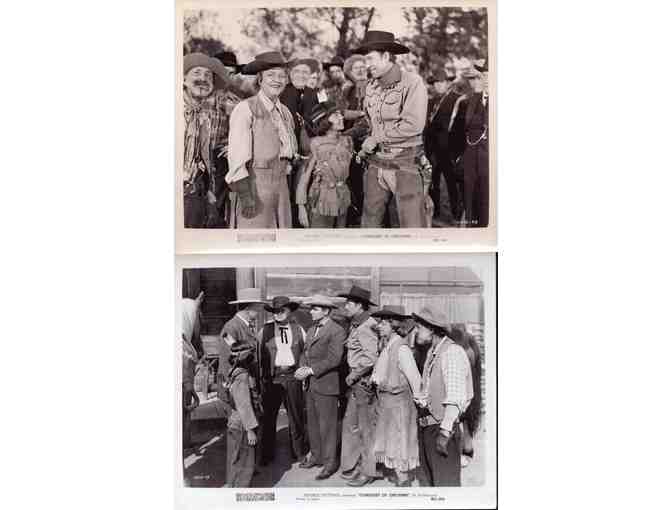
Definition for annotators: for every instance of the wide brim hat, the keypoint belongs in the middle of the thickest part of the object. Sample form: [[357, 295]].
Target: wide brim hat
[[263, 62], [202, 60], [246, 296], [280, 302], [391, 312], [433, 317], [378, 40], [322, 110], [229, 59], [312, 63], [320, 300], [359, 294], [336, 61]]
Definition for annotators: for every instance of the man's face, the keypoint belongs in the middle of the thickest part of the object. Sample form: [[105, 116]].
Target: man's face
[[230, 71], [384, 328], [336, 74], [199, 81], [358, 70], [424, 334], [378, 63], [254, 310], [479, 83], [352, 308], [300, 75], [441, 86], [312, 82], [318, 313], [273, 82], [281, 316]]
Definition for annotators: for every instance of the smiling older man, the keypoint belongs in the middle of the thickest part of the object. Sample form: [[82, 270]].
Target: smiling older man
[[262, 144]]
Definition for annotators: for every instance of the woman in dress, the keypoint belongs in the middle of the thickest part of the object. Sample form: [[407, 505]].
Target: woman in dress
[[398, 381], [323, 195]]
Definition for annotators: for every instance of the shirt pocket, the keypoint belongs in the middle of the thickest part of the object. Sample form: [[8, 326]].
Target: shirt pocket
[[391, 106]]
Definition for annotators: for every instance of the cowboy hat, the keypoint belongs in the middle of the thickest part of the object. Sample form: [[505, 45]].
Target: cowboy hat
[[312, 63], [248, 296], [228, 59], [432, 317], [321, 301], [202, 60], [322, 110], [377, 40], [264, 61], [280, 302], [336, 61], [359, 295], [391, 312]]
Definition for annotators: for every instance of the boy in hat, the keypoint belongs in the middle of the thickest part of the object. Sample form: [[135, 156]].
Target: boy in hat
[[397, 380], [357, 460], [446, 393], [205, 136], [282, 343], [476, 155], [320, 368], [396, 107], [262, 145]]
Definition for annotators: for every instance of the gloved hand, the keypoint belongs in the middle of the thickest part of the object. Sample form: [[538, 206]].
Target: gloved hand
[[429, 205], [442, 443], [247, 197]]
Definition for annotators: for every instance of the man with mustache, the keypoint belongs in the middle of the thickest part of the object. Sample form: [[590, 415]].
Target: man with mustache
[[262, 146], [205, 134]]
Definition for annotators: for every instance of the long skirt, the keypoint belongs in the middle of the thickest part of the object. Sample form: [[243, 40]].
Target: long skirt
[[396, 443]]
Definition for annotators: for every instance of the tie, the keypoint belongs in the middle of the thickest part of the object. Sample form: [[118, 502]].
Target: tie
[[283, 335], [317, 328]]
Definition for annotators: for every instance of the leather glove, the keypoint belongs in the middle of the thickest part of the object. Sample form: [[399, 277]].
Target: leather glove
[[246, 194], [442, 444]]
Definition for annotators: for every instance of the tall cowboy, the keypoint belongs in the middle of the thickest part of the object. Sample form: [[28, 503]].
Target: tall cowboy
[[320, 367], [205, 134], [396, 106], [282, 344], [357, 457], [447, 391], [262, 145]]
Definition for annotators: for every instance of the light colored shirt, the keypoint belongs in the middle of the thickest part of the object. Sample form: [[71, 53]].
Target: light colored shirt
[[406, 365], [283, 341]]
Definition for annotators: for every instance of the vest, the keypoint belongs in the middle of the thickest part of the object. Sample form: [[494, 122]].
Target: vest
[[395, 381], [265, 138], [437, 388]]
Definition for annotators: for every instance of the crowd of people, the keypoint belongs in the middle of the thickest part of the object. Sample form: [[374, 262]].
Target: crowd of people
[[356, 142], [376, 394]]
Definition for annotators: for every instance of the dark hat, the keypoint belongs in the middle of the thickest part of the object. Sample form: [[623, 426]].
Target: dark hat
[[280, 302], [391, 312], [312, 63], [377, 40], [431, 80], [322, 110], [481, 65], [228, 58], [264, 61], [359, 295], [202, 60], [432, 317], [336, 61]]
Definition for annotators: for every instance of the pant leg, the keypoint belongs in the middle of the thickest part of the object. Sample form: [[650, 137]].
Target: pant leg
[[194, 211], [314, 427], [327, 408], [366, 423], [318, 220], [241, 459], [448, 171], [356, 184], [283, 203], [446, 471], [423, 445], [351, 441], [272, 400], [410, 200], [375, 199], [484, 187], [294, 404]]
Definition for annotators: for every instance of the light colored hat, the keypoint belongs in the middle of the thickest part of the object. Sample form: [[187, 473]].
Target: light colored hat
[[202, 60], [320, 300], [248, 296], [312, 63], [432, 316]]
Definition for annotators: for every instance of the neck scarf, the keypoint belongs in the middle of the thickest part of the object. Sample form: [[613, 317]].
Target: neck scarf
[[202, 119]]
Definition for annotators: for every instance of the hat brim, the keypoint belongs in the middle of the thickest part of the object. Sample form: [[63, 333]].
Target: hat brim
[[321, 304], [327, 65], [256, 66], [247, 301], [358, 299], [394, 48], [389, 315], [221, 79], [424, 321], [312, 64], [325, 115], [291, 305]]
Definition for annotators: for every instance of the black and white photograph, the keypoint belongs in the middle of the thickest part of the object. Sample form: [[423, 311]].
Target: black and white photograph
[[349, 377], [295, 118]]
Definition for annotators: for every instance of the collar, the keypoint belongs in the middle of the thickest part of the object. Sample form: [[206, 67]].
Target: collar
[[266, 101], [323, 321], [243, 319], [359, 319], [390, 77]]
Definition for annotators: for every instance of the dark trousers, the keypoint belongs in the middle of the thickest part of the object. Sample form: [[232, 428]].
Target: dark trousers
[[323, 428], [356, 185], [476, 185], [286, 391], [444, 166], [195, 211], [440, 471], [240, 459]]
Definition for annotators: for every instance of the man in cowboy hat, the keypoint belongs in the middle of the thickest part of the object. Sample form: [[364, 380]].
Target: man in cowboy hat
[[446, 393], [337, 84], [300, 99], [357, 460], [205, 137], [320, 367], [396, 108], [282, 343], [229, 61], [444, 139], [262, 145], [476, 154]]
